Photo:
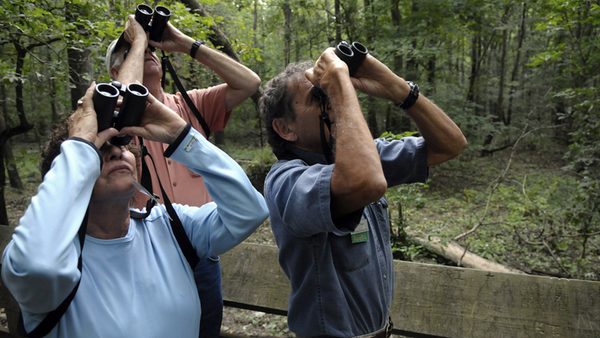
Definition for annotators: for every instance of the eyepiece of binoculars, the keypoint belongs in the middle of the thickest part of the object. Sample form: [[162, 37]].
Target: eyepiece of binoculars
[[153, 20], [352, 54]]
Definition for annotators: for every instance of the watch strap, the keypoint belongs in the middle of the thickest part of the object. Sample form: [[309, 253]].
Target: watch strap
[[195, 47], [412, 97]]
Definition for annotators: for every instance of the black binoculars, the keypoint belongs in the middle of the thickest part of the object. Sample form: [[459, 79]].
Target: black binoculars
[[153, 21], [105, 101], [352, 54]]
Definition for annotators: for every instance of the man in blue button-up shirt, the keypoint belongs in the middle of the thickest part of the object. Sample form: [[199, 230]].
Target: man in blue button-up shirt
[[325, 194]]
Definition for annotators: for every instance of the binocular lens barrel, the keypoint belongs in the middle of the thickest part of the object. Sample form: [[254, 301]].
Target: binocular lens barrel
[[345, 50], [159, 22], [105, 101], [143, 14], [134, 104], [352, 54]]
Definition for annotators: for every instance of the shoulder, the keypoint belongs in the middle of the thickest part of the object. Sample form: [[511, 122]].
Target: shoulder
[[218, 90]]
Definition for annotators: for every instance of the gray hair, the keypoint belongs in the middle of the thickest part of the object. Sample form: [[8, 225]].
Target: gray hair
[[276, 102]]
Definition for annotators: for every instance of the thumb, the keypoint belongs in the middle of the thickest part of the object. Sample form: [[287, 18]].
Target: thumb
[[134, 131], [310, 75], [104, 136]]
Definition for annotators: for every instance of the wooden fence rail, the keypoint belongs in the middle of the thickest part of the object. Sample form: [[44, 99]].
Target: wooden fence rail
[[429, 300]]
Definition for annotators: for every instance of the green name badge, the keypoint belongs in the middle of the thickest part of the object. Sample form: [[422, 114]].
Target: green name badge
[[361, 233]]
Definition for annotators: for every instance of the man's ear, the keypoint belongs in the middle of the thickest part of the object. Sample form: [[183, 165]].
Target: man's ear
[[114, 72], [282, 128]]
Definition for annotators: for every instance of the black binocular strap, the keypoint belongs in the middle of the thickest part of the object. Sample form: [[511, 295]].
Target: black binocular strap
[[53, 317], [166, 64], [325, 122], [182, 239]]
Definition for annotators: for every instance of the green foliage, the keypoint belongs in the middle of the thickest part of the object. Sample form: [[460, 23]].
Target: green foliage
[[441, 44]]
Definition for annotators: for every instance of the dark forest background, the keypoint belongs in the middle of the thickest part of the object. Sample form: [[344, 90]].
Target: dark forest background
[[521, 78]]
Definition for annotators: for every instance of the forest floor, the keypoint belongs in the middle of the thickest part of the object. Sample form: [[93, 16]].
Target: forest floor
[[514, 196]]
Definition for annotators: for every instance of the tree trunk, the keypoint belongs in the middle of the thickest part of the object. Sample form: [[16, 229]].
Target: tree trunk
[[412, 65], [255, 43], [3, 213], [396, 22], [474, 75], [338, 21], [431, 68], [396, 120], [287, 31], [515, 71], [80, 67], [500, 116], [11, 166]]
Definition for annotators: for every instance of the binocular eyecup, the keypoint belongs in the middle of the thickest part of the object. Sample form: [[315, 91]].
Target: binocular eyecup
[[105, 100], [153, 20], [352, 54]]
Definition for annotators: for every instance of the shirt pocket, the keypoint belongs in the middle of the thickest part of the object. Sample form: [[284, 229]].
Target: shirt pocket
[[348, 256]]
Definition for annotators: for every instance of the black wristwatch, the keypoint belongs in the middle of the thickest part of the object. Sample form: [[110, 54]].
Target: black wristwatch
[[413, 94]]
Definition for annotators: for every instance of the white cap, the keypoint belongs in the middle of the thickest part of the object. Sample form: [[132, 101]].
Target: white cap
[[114, 46]]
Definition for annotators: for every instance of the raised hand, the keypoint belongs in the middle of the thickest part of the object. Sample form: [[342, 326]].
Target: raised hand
[[159, 123], [83, 122]]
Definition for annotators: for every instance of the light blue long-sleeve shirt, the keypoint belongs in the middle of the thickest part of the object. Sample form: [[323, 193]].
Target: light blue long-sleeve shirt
[[139, 285]]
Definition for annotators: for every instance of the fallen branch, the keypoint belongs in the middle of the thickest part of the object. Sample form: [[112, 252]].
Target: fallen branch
[[458, 254]]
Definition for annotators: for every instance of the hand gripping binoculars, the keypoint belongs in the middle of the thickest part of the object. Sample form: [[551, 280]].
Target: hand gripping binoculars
[[130, 114], [352, 54], [153, 21]]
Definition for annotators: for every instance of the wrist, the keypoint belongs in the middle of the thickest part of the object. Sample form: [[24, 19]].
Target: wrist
[[194, 48], [411, 96]]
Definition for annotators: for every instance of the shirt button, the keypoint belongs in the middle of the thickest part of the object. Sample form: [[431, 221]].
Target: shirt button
[[384, 276], [169, 162], [174, 184]]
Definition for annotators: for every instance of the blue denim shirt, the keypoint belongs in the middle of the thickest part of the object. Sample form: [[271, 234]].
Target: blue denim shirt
[[339, 288]]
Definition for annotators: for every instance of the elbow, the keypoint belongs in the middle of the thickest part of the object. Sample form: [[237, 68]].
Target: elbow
[[261, 212], [253, 83], [372, 188], [459, 145], [451, 150]]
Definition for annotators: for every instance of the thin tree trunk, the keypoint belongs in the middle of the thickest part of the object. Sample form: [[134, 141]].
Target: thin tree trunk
[[502, 70], [396, 120], [412, 66], [255, 43], [78, 55], [515, 71], [11, 166], [287, 31], [474, 75], [3, 212], [338, 21]]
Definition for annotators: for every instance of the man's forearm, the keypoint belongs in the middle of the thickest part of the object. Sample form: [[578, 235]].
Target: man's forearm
[[357, 177], [132, 68], [444, 138]]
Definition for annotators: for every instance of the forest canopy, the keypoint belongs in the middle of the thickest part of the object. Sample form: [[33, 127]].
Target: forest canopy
[[508, 72]]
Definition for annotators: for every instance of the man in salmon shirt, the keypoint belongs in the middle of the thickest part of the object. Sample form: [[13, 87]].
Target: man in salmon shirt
[[215, 105]]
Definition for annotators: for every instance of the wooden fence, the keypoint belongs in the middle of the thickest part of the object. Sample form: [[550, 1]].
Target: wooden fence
[[429, 300]]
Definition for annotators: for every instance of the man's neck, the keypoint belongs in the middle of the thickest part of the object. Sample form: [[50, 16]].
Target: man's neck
[[155, 88]]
